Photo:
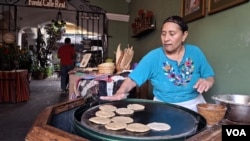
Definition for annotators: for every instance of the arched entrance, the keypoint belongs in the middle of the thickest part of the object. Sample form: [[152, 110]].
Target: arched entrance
[[85, 23]]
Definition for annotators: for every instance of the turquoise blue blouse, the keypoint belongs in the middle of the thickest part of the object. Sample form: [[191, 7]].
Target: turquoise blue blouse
[[172, 82]]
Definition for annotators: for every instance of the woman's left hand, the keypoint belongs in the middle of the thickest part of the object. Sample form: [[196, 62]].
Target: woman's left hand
[[203, 85]]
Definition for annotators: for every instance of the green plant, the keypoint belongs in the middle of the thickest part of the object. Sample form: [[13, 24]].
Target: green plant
[[15, 57], [9, 57], [48, 71], [56, 67], [26, 59], [36, 68]]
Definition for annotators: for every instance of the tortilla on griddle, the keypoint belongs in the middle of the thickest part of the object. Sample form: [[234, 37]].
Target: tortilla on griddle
[[136, 107], [106, 114], [137, 127], [115, 126], [159, 126], [100, 120], [122, 119], [124, 111], [107, 107]]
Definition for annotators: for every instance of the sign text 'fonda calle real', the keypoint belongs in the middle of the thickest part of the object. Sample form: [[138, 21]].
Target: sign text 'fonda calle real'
[[48, 3]]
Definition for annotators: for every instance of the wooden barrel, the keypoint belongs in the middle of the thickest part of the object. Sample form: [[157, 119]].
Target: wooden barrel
[[14, 86]]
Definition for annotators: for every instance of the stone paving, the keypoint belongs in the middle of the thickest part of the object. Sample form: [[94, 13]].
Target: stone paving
[[17, 119]]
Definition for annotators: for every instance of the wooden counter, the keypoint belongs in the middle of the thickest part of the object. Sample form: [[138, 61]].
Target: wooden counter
[[43, 131], [209, 134], [14, 86], [213, 133]]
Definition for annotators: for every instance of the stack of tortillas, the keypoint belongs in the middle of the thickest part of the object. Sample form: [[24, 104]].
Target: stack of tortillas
[[115, 126], [114, 118], [103, 115], [124, 111], [137, 127], [106, 114], [107, 107], [159, 126], [122, 119], [136, 107], [100, 120]]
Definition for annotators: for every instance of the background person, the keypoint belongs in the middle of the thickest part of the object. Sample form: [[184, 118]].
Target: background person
[[66, 53], [178, 72]]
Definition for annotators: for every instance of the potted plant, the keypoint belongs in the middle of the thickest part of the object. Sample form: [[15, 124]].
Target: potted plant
[[26, 60], [38, 72], [48, 71]]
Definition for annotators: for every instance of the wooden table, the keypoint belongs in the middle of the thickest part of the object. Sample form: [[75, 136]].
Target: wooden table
[[14, 86]]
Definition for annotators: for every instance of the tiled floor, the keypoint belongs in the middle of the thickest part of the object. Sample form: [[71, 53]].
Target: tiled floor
[[17, 119]]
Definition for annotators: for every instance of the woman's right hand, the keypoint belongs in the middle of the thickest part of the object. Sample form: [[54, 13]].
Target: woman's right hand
[[115, 97], [122, 92]]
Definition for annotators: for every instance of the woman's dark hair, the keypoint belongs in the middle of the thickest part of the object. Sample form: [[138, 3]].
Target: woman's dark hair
[[178, 20]]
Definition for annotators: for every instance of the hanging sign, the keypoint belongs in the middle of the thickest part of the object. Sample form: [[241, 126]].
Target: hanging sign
[[48, 3]]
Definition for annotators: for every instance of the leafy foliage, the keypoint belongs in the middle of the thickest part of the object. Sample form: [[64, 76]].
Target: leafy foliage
[[14, 57], [55, 33]]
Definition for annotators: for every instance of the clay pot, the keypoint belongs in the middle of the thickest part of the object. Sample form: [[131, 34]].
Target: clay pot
[[213, 113]]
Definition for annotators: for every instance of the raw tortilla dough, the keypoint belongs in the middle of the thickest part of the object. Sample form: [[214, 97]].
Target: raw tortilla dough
[[136, 107], [106, 114], [137, 127], [100, 120], [124, 111], [108, 108], [115, 126], [158, 126], [122, 119]]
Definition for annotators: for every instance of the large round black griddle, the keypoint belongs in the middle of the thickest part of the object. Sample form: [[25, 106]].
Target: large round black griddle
[[184, 122]]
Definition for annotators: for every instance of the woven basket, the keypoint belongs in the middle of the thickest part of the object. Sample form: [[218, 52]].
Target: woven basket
[[106, 68]]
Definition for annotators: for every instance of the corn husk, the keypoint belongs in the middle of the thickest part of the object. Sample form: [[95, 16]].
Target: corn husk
[[125, 58], [118, 53]]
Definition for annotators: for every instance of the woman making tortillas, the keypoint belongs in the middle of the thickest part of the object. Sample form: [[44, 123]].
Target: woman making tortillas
[[178, 72]]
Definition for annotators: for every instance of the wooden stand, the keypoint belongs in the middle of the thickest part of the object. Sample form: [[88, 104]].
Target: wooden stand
[[14, 86], [42, 131]]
